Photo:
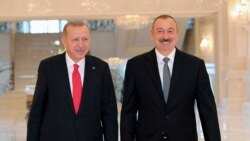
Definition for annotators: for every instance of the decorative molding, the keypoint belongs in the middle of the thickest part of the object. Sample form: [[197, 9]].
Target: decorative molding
[[48, 9]]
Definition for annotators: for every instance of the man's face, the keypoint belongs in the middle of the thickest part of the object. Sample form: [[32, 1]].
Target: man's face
[[165, 35], [77, 42]]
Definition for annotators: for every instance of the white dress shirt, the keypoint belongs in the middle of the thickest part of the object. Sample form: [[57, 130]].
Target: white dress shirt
[[70, 66], [161, 63]]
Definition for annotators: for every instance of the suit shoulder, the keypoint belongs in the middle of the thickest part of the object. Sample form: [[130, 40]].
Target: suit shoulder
[[189, 57], [53, 58], [95, 59], [139, 58]]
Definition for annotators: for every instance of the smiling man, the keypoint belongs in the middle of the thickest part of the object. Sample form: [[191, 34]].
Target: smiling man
[[161, 88], [74, 98]]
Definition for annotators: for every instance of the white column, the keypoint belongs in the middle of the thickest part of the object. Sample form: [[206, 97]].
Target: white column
[[247, 75]]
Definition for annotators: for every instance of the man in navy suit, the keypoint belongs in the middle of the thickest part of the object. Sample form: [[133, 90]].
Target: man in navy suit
[[53, 116], [146, 115]]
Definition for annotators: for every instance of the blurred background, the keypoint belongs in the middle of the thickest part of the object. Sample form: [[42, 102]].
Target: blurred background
[[217, 31]]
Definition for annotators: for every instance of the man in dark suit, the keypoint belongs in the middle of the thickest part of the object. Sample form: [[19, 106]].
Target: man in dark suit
[[151, 114], [56, 113]]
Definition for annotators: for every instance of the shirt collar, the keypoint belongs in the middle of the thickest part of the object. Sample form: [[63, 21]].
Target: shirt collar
[[70, 62], [160, 57]]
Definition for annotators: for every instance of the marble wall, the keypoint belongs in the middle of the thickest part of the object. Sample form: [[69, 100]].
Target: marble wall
[[6, 82]]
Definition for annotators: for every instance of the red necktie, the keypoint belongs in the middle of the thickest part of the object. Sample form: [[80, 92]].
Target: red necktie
[[77, 87]]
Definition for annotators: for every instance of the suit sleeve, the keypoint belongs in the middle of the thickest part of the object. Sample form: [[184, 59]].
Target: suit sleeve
[[129, 106], [109, 108], [207, 106], [38, 106]]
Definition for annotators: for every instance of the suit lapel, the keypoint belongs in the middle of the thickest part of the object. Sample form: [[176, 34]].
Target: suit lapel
[[152, 67], [89, 73], [63, 78], [176, 75]]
